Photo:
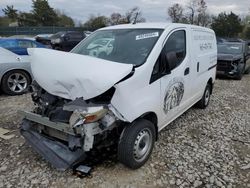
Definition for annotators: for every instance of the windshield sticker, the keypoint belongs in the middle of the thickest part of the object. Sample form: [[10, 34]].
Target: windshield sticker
[[146, 36]]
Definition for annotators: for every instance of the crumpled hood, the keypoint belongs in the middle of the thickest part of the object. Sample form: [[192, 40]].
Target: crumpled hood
[[70, 76], [229, 57]]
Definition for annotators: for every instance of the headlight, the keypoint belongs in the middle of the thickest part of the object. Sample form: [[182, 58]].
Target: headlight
[[84, 117], [93, 117]]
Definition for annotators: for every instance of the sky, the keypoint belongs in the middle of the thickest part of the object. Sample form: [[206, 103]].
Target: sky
[[153, 10]]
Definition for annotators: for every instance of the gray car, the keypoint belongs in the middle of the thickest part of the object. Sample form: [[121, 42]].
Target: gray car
[[233, 59], [15, 72]]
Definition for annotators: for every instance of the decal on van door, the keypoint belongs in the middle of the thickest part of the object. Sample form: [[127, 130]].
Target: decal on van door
[[174, 94]]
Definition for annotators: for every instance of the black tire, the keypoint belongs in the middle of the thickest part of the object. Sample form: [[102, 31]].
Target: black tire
[[240, 71], [247, 71], [7, 84], [133, 136], [239, 76], [204, 102]]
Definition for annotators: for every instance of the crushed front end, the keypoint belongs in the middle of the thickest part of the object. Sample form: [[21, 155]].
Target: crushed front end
[[65, 131], [229, 67]]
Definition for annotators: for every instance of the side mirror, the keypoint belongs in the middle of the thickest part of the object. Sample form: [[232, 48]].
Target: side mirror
[[172, 59], [168, 62]]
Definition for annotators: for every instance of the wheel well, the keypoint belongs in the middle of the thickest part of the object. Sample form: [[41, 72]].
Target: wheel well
[[152, 117], [17, 70], [210, 82]]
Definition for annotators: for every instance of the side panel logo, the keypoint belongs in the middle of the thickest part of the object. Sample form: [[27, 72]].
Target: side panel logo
[[174, 94]]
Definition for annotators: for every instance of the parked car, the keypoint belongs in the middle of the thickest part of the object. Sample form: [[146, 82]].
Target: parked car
[[15, 72], [153, 74], [232, 59], [66, 40], [102, 46], [19, 46], [44, 39]]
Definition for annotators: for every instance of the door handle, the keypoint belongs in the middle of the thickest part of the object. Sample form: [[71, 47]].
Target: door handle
[[198, 66], [186, 72]]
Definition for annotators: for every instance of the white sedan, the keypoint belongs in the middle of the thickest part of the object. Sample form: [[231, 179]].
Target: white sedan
[[15, 72]]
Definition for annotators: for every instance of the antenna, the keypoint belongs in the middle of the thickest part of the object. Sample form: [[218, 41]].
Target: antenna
[[134, 22]]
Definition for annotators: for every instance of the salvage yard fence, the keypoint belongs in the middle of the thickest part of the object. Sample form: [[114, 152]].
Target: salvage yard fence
[[9, 31]]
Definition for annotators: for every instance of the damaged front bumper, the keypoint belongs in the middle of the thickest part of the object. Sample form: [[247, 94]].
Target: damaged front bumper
[[58, 154], [229, 68], [59, 143]]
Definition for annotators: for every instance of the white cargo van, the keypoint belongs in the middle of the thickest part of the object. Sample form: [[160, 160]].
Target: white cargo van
[[119, 86]]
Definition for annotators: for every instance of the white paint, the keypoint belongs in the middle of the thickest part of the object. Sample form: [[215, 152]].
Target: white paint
[[7, 56], [71, 75]]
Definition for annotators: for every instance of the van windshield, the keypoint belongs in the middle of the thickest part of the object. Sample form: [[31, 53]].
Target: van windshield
[[130, 46]]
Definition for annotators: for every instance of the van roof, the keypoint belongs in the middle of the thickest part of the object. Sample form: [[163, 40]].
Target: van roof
[[152, 25]]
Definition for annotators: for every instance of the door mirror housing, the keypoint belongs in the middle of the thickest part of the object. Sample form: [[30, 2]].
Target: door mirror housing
[[168, 61], [172, 59]]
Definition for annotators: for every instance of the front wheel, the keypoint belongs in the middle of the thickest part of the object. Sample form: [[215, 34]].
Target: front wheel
[[204, 102], [241, 70], [136, 143]]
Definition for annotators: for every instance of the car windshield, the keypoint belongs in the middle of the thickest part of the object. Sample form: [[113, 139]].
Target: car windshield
[[230, 48], [130, 46], [8, 43], [57, 35]]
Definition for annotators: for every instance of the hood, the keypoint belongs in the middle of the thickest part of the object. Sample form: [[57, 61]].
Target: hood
[[229, 57], [6, 56], [71, 76]]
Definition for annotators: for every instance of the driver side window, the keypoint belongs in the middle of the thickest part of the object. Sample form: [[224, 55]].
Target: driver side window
[[175, 50], [176, 44]]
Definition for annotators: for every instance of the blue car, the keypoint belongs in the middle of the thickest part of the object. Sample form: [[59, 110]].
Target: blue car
[[19, 46]]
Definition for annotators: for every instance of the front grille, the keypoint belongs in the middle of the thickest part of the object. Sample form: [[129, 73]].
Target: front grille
[[224, 66]]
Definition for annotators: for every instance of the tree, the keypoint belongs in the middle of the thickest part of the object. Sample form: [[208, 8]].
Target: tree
[[4, 21], [43, 14], [26, 19], [10, 12], [194, 13], [175, 12], [203, 18], [246, 30], [64, 20], [132, 14], [247, 33], [192, 6], [116, 18], [96, 22], [227, 25]]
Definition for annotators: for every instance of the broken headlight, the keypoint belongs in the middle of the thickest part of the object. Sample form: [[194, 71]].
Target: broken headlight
[[93, 114]]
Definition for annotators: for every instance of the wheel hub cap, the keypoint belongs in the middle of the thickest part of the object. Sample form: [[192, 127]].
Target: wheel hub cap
[[142, 145], [17, 82], [207, 95]]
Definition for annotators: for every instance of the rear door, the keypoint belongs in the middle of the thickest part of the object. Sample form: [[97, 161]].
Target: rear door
[[176, 87]]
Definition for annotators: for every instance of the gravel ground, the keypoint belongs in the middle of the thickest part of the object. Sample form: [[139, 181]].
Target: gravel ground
[[202, 148]]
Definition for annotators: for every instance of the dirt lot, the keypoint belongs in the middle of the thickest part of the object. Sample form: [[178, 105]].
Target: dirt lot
[[202, 148]]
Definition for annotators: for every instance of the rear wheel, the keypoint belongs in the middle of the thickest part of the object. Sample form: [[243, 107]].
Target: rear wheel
[[15, 82], [136, 143], [204, 102]]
